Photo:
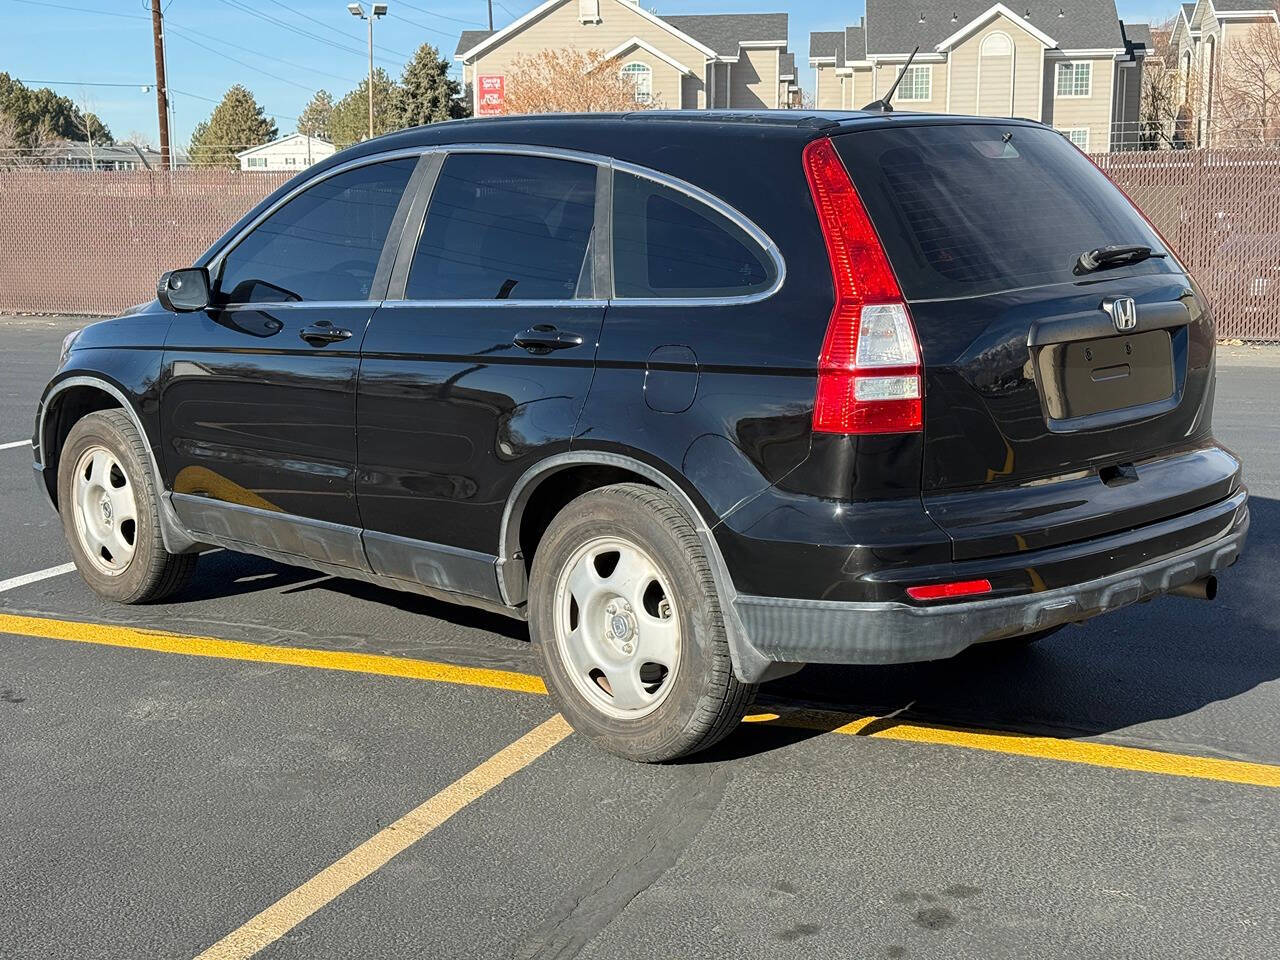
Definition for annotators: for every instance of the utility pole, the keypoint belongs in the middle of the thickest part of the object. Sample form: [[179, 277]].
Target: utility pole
[[376, 10], [162, 87], [491, 16]]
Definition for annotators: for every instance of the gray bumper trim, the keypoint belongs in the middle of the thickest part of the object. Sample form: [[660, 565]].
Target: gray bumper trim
[[818, 631]]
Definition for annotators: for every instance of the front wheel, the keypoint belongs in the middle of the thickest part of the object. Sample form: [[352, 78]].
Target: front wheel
[[111, 513], [625, 616]]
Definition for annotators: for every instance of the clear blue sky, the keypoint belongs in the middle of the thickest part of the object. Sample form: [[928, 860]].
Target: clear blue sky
[[109, 42]]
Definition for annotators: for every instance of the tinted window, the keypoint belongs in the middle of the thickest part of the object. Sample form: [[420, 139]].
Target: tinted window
[[505, 226], [667, 244], [963, 212], [323, 244]]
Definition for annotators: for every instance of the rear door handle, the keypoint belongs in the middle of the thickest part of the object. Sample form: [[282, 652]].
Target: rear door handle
[[543, 338], [322, 332]]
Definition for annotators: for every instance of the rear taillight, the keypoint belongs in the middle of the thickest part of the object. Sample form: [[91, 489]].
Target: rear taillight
[[870, 378]]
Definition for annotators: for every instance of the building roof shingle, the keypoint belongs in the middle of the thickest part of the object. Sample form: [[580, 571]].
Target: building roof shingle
[[894, 27], [722, 32], [855, 43], [827, 44], [787, 66], [470, 38]]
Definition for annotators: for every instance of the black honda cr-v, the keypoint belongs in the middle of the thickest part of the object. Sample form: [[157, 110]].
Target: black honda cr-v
[[702, 396]]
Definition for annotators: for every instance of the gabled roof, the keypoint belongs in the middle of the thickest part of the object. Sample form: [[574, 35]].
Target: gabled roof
[[787, 66], [714, 35], [1241, 6], [827, 44], [471, 38], [723, 32], [1138, 36], [281, 140], [855, 44], [648, 48], [894, 27]]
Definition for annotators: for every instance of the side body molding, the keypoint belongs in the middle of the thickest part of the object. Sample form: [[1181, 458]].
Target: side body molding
[[749, 664], [176, 538]]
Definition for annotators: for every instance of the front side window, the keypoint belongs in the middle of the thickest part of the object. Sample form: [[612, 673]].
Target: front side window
[[1075, 79], [641, 76], [917, 83], [668, 244], [324, 244], [505, 227]]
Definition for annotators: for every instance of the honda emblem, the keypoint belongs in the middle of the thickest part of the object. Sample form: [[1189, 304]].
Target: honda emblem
[[1123, 311]]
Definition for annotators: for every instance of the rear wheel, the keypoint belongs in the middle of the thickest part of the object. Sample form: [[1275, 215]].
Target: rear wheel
[[628, 627], [111, 513]]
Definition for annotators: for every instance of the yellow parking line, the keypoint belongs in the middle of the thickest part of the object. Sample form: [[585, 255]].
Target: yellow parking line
[[138, 639], [1047, 748], [294, 907]]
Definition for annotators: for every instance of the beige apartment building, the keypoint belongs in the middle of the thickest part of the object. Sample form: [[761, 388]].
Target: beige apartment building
[[1205, 43], [737, 61], [1067, 63]]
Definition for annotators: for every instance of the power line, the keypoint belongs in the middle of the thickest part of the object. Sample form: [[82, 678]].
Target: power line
[[429, 13], [244, 8], [329, 26], [266, 56], [81, 83], [105, 13], [245, 63], [423, 26]]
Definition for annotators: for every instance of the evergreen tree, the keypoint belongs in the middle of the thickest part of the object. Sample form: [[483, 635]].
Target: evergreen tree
[[427, 94], [41, 116], [350, 121], [317, 116], [237, 123]]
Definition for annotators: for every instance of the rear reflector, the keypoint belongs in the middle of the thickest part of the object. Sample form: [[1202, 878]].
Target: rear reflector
[[942, 591], [870, 378]]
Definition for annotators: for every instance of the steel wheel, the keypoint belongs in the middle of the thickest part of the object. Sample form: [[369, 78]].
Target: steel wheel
[[616, 628], [105, 510]]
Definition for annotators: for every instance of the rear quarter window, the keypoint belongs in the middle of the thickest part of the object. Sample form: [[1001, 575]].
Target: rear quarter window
[[971, 209], [667, 243]]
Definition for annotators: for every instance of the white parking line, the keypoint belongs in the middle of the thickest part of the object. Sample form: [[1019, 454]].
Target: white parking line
[[14, 582], [15, 444]]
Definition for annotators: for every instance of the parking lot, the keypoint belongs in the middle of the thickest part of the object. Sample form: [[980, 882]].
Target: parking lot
[[285, 763]]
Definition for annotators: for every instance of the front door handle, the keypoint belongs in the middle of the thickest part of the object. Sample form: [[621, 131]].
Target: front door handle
[[543, 338], [322, 332]]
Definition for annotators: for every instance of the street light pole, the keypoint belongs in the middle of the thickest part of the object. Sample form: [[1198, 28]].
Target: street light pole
[[376, 10]]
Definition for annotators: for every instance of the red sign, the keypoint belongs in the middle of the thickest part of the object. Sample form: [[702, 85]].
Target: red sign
[[490, 94]]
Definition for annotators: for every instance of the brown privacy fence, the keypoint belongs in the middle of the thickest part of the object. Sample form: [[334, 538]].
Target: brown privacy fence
[[84, 242]]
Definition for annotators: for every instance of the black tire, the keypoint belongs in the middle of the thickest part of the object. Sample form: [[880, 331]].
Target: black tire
[[151, 573], [705, 701]]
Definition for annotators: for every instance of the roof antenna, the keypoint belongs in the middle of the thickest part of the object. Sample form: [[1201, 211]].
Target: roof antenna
[[883, 105]]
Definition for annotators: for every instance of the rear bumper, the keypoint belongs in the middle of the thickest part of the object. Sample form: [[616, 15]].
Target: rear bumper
[[817, 631]]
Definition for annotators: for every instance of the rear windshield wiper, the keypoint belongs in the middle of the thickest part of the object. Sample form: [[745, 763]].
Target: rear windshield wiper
[[1114, 255]]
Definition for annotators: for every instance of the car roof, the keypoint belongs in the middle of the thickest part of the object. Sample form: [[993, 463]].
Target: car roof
[[572, 130]]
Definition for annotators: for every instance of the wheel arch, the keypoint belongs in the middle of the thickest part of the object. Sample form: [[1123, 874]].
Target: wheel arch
[[513, 564], [67, 402]]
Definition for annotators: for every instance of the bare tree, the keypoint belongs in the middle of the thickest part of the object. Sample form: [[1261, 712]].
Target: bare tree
[[572, 81], [1247, 87], [1171, 94]]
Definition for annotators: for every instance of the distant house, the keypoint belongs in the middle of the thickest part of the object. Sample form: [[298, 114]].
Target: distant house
[[1206, 37], [97, 156], [294, 152], [1067, 63], [726, 60]]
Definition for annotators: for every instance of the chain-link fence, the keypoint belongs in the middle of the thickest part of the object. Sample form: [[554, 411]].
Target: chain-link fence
[[86, 242], [1220, 210]]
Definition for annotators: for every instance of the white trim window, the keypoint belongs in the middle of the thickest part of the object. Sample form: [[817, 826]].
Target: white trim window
[[1077, 135], [917, 84], [1075, 79], [640, 74]]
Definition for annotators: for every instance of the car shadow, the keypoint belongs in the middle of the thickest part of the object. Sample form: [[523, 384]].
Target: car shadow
[[1153, 661]]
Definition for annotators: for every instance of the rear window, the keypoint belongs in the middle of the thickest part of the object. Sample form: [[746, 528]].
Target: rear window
[[969, 209]]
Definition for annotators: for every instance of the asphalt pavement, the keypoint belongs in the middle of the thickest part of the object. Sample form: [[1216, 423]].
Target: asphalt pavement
[[319, 778]]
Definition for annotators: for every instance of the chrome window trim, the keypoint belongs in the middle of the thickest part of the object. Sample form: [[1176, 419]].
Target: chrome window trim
[[215, 262], [393, 304]]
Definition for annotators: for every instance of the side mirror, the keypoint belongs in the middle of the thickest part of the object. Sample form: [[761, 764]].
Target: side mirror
[[183, 291]]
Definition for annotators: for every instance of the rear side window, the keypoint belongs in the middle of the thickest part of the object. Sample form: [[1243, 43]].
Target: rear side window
[[963, 211], [505, 227], [668, 244], [324, 244]]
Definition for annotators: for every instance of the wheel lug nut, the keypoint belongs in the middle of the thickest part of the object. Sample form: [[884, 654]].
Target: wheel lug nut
[[627, 648]]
